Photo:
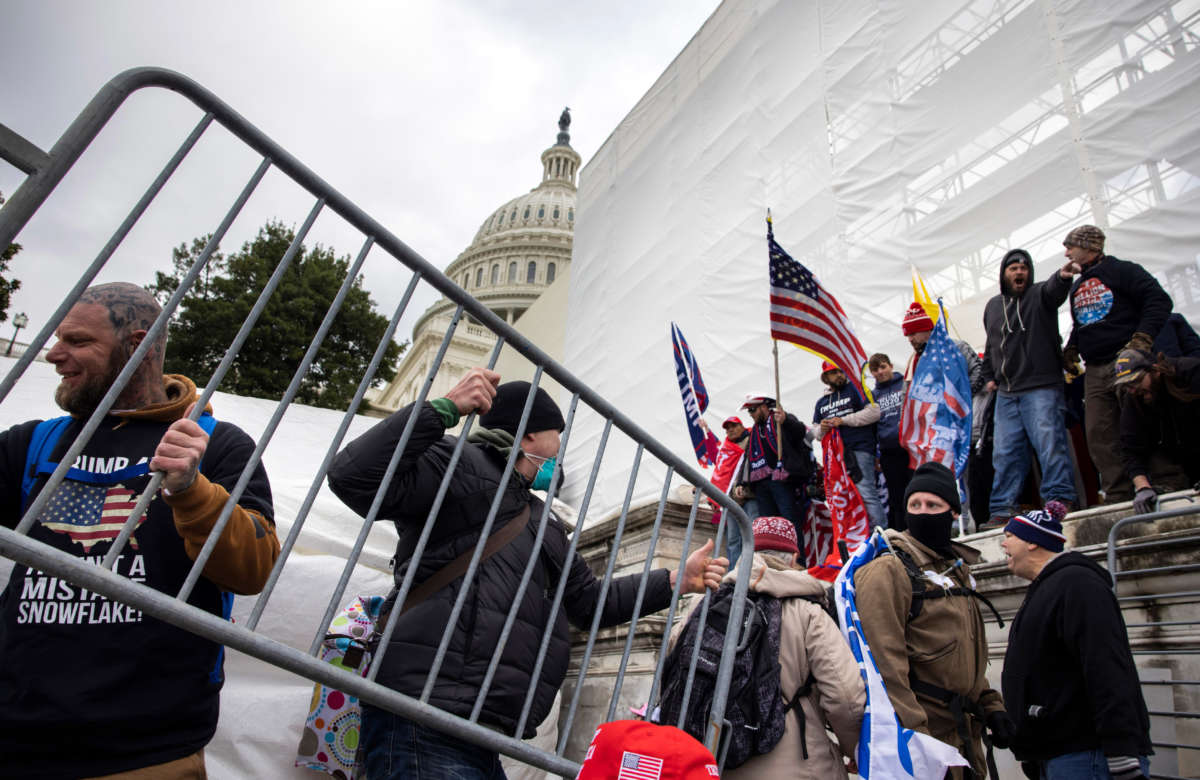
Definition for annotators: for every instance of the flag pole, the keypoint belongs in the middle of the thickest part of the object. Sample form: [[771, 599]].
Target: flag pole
[[778, 403], [775, 352]]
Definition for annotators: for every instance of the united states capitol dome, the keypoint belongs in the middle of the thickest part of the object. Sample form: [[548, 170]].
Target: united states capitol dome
[[520, 249], [525, 244]]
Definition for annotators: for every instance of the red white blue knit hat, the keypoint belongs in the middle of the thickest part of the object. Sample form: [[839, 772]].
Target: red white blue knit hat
[[1042, 527], [775, 533]]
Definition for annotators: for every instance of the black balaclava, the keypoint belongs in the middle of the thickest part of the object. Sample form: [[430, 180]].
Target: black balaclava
[[933, 530]]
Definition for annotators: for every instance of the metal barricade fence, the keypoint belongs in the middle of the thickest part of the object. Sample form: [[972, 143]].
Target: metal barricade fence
[[1165, 637], [45, 170]]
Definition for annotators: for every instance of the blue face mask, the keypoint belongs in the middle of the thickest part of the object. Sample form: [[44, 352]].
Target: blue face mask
[[541, 480]]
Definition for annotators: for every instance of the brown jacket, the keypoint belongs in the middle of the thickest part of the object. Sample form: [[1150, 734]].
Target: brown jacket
[[944, 645], [246, 552], [809, 641]]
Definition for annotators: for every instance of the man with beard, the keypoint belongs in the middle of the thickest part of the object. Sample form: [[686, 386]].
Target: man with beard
[[844, 408], [921, 617], [1023, 363], [88, 686], [768, 478], [1069, 677], [1160, 419], [1115, 305]]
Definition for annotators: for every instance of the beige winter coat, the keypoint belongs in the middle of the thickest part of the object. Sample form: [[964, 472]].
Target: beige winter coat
[[944, 645], [809, 640]]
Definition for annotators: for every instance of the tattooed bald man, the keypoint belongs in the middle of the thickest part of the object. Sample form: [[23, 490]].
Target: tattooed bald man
[[91, 687]]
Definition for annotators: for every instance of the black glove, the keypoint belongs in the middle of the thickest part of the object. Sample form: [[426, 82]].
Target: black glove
[[1124, 768], [1001, 727], [1145, 500], [1071, 361]]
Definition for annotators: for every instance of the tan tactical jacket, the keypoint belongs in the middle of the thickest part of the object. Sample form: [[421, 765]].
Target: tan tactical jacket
[[944, 645]]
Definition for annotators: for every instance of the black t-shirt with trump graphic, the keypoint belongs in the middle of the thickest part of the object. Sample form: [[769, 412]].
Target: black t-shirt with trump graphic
[[90, 686]]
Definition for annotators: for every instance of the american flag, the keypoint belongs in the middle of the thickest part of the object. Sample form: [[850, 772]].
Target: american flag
[[635, 766], [935, 421], [804, 313], [818, 534], [90, 513]]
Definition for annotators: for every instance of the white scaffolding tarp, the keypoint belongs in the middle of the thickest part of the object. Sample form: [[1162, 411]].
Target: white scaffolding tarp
[[883, 135]]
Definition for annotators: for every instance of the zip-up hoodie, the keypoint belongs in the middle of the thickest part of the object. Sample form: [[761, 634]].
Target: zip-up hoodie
[[1024, 347], [1069, 678]]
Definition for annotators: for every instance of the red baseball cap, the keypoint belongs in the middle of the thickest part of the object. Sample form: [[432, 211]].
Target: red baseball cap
[[735, 420], [827, 366], [636, 748]]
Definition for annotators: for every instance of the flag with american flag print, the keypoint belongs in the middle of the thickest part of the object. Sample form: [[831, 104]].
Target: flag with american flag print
[[90, 514], [935, 420], [805, 314], [818, 533]]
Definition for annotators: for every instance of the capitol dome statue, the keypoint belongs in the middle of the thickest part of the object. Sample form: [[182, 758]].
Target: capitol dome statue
[[518, 251]]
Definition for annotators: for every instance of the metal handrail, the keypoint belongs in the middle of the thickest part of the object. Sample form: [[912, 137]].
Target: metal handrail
[[46, 170]]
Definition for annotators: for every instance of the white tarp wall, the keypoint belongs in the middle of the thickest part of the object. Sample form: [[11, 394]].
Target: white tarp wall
[[883, 134]]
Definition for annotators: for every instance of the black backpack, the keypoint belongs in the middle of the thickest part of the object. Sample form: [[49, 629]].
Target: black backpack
[[756, 710]]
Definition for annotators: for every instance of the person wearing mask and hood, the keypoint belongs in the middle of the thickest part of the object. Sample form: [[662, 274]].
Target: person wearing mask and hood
[[1023, 363], [920, 614]]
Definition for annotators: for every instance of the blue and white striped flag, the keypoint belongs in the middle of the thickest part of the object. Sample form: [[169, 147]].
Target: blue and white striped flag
[[885, 748]]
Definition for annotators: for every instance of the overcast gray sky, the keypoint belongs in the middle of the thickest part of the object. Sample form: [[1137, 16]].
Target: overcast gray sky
[[428, 115]]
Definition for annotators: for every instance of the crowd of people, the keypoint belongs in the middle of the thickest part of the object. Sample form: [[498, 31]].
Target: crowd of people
[[1121, 427], [146, 702]]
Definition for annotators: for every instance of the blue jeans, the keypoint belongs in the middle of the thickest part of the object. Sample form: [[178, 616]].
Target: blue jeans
[[1085, 765], [733, 537], [777, 498], [1037, 418], [398, 749], [868, 487]]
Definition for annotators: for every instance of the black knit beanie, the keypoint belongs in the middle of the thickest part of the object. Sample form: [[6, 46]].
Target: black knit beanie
[[937, 479], [1016, 256], [506, 409]]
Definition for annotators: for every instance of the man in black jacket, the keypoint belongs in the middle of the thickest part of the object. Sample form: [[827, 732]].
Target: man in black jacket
[[1115, 305], [1160, 423], [1069, 680], [1023, 363], [400, 748], [768, 479]]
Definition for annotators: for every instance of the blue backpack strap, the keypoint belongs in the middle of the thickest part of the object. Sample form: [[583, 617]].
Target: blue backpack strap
[[45, 437]]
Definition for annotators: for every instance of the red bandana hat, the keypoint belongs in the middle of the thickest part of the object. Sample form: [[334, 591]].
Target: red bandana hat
[[637, 749], [775, 533], [916, 320]]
